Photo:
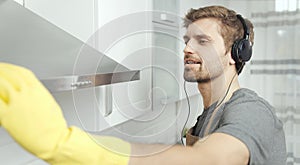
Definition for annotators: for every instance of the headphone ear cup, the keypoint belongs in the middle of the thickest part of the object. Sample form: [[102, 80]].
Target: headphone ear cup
[[241, 50], [234, 51], [245, 50]]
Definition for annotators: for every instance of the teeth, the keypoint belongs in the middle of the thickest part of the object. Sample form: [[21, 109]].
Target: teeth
[[192, 62]]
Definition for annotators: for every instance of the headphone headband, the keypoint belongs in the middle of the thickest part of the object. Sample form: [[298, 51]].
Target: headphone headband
[[246, 29]]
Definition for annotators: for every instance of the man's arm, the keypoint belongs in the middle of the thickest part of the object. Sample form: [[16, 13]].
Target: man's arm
[[33, 118], [217, 149]]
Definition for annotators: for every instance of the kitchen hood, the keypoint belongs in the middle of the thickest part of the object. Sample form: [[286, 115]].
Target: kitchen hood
[[61, 61]]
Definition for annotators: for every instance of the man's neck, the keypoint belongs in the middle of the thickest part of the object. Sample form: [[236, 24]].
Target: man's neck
[[216, 89]]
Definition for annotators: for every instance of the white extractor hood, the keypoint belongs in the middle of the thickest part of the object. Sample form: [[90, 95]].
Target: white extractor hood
[[61, 61]]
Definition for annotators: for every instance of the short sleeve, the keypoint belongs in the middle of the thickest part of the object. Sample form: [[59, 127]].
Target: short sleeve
[[255, 125]]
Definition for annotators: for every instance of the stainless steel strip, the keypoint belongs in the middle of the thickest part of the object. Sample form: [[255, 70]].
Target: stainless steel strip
[[66, 83]]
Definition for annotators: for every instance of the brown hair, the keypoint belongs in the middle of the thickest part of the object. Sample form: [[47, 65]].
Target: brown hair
[[231, 27]]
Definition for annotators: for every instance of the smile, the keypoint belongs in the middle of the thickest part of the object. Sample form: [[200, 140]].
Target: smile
[[189, 61]]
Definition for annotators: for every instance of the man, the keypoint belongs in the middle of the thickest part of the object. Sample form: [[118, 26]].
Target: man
[[219, 42], [237, 127]]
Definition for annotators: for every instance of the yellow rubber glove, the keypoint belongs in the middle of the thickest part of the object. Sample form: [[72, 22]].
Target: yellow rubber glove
[[33, 118]]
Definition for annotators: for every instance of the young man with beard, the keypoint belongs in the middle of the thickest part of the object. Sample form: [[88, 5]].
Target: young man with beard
[[237, 127]]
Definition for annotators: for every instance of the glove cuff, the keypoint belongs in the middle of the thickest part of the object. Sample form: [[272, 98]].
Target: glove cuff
[[79, 147]]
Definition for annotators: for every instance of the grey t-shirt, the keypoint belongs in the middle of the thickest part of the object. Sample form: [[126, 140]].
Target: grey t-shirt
[[252, 120]]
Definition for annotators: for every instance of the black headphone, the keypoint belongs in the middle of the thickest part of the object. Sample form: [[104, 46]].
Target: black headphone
[[242, 49]]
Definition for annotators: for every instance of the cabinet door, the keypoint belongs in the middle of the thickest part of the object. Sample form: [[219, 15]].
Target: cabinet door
[[75, 17], [86, 21]]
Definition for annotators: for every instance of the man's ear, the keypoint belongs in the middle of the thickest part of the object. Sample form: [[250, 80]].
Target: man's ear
[[231, 60]]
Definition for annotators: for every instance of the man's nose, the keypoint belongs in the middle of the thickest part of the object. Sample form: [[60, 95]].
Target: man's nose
[[188, 49]]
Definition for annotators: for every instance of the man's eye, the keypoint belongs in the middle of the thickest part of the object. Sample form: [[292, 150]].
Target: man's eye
[[203, 41]]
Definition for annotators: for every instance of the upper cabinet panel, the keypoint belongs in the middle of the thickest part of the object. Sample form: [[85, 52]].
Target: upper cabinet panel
[[166, 5], [75, 17]]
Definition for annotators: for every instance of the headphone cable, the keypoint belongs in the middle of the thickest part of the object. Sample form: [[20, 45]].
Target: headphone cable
[[189, 112], [188, 101], [230, 85], [206, 132]]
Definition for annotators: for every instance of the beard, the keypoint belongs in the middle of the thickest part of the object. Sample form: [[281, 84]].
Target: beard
[[201, 75]]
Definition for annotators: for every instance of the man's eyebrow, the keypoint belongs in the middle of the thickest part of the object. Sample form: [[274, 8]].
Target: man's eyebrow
[[202, 36], [197, 36]]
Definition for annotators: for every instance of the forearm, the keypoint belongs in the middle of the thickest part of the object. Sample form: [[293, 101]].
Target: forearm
[[217, 149], [164, 154]]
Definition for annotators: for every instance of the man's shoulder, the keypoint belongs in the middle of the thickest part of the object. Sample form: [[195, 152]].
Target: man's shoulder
[[246, 104], [246, 97], [253, 120]]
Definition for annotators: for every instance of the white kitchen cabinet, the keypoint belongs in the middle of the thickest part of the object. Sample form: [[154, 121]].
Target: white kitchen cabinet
[[86, 20], [131, 100], [111, 27]]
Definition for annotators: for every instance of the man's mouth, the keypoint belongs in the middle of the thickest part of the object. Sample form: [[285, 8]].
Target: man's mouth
[[190, 61]]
